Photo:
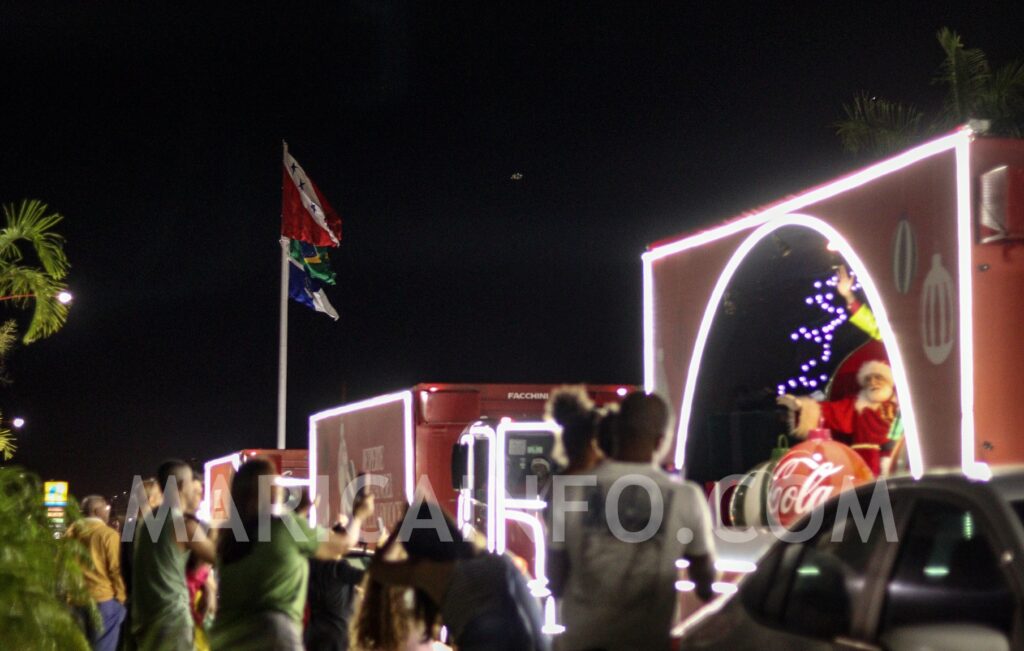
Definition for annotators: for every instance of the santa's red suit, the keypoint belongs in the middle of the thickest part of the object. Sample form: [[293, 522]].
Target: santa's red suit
[[866, 421]]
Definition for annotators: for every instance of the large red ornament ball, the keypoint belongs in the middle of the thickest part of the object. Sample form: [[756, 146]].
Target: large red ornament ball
[[810, 474]]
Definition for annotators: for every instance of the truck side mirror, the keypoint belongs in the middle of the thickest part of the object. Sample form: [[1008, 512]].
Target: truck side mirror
[[460, 467]]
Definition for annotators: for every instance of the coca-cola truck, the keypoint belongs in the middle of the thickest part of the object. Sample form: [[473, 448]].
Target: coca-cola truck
[[483, 451], [934, 237], [292, 466]]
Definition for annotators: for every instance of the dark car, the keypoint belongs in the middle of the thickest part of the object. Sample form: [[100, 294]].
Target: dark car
[[943, 568]]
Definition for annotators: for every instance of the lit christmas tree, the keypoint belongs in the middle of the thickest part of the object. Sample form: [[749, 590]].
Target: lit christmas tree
[[815, 371]]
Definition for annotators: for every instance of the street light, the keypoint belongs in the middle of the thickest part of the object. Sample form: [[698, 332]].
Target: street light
[[18, 422], [64, 297]]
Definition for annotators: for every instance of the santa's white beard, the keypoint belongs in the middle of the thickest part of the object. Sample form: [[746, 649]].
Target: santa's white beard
[[872, 398]]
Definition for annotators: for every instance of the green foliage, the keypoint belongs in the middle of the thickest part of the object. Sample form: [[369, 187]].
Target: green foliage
[[39, 575], [21, 283], [878, 125], [7, 336], [973, 91]]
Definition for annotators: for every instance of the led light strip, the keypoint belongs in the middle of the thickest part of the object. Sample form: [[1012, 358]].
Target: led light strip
[[481, 431], [504, 427], [465, 506], [406, 398], [540, 553], [960, 142], [816, 195], [971, 467], [649, 362], [206, 506]]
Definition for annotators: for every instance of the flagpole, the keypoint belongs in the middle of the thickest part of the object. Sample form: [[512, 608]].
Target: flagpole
[[282, 364], [282, 344]]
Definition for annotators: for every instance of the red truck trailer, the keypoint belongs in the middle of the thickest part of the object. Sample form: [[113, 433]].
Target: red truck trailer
[[292, 465], [490, 437], [934, 236], [407, 437]]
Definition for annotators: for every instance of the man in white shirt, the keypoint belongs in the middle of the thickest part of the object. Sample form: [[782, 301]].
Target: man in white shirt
[[616, 538]]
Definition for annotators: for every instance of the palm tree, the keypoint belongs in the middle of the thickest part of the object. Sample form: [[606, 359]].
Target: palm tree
[[23, 283], [973, 91], [36, 281]]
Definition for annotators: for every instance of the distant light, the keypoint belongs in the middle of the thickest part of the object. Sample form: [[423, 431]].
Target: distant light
[[433, 389], [65, 297], [517, 176], [18, 423], [621, 392], [506, 419], [735, 566]]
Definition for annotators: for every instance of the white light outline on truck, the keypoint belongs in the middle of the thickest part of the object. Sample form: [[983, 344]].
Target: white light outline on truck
[[959, 141], [877, 307], [971, 466], [480, 431], [539, 585], [407, 398], [504, 427], [206, 506]]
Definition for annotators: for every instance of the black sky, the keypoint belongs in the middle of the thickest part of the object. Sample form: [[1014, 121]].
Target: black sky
[[155, 128]]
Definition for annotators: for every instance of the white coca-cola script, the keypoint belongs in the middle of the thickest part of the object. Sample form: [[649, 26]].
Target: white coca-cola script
[[792, 496]]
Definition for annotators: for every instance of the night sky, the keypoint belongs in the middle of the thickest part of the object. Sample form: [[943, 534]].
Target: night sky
[[156, 129]]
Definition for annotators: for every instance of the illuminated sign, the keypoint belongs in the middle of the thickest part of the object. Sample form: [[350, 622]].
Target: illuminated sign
[[55, 493]]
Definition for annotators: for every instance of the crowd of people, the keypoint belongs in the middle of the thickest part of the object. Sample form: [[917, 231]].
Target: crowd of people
[[267, 580]]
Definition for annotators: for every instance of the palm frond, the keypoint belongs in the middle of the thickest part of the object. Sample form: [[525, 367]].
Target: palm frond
[[1002, 101], [878, 126], [30, 222], [28, 284], [965, 72], [8, 445]]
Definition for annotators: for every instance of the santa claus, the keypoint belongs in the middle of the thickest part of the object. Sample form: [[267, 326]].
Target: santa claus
[[866, 418]]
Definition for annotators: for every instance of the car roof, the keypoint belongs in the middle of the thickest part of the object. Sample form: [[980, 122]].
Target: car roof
[[1006, 481]]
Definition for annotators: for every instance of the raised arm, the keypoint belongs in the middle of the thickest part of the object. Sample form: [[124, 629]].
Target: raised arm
[[337, 544], [199, 543]]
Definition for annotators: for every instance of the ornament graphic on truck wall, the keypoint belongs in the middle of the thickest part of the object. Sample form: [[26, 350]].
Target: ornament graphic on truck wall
[[904, 256], [938, 313], [346, 470]]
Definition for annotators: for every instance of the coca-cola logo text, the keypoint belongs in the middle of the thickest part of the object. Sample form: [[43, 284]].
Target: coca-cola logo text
[[799, 484]]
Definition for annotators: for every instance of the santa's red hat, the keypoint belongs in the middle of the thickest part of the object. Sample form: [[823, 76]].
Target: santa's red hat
[[874, 367]]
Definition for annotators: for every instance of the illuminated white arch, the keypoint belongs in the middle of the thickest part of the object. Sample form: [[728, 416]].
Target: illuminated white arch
[[874, 298]]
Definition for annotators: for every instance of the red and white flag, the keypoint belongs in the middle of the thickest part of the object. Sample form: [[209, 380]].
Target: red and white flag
[[305, 214]]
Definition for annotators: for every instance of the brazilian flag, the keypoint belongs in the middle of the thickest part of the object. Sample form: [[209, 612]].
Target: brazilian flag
[[314, 259]]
